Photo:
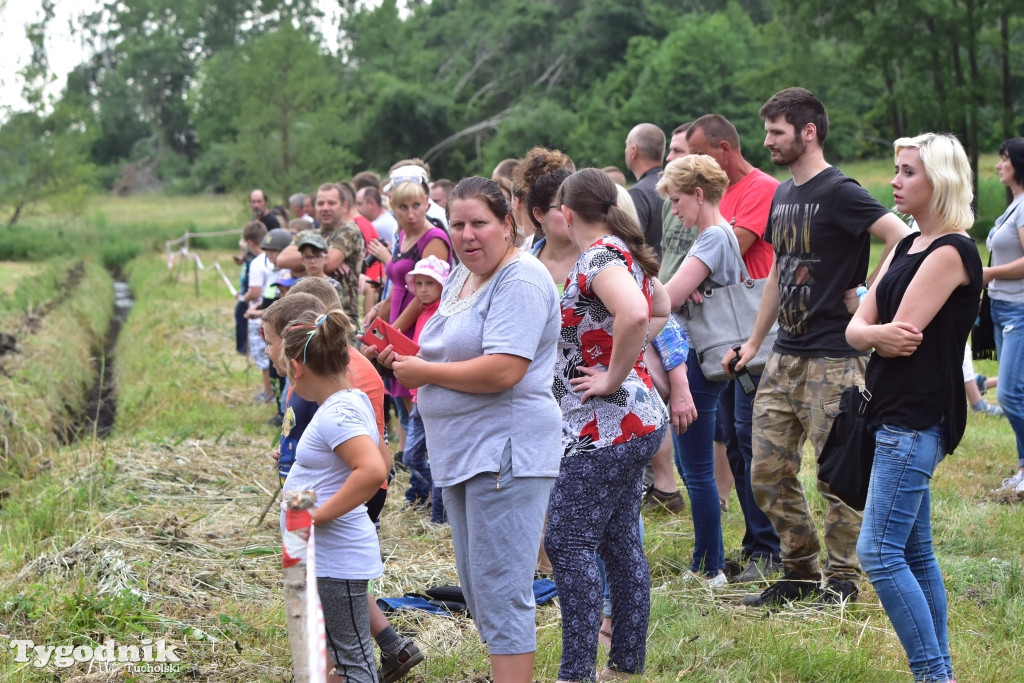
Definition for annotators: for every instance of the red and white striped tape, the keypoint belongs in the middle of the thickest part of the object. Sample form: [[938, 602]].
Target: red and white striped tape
[[300, 546]]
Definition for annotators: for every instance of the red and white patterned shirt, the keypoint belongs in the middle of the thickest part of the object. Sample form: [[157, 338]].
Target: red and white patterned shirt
[[633, 410]]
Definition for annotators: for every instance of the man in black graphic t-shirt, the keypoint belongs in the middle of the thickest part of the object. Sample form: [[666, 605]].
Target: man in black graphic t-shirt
[[820, 227]]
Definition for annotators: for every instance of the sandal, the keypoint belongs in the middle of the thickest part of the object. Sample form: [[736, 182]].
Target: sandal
[[604, 633]]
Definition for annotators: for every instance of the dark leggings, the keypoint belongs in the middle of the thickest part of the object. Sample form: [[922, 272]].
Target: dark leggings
[[595, 508], [241, 328], [347, 624]]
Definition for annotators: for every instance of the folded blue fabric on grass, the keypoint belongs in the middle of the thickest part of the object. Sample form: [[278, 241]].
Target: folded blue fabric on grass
[[411, 601], [543, 592]]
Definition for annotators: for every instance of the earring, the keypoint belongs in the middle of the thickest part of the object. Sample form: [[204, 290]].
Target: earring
[[700, 202]]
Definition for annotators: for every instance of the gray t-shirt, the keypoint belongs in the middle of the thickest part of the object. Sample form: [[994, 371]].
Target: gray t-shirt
[[386, 227], [515, 313], [346, 547], [714, 248], [1004, 244]]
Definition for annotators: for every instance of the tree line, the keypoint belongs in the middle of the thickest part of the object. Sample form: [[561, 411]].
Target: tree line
[[186, 97]]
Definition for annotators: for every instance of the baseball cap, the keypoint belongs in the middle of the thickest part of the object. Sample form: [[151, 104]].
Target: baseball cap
[[315, 241]]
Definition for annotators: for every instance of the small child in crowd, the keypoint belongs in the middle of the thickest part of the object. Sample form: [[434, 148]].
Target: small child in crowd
[[273, 244], [259, 271], [398, 653], [339, 459], [314, 255], [426, 279]]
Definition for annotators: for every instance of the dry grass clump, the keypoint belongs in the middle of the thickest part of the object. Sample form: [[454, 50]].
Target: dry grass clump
[[178, 542]]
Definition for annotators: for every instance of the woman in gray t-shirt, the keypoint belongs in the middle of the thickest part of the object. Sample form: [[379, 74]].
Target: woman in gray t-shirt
[[492, 425], [1005, 280], [694, 185]]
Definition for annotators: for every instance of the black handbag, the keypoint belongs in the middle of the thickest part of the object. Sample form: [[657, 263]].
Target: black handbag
[[849, 451], [983, 336]]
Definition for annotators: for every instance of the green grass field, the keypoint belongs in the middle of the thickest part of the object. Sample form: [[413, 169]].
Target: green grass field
[[155, 532]]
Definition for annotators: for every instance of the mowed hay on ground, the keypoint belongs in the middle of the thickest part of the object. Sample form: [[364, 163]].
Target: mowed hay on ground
[[153, 534]]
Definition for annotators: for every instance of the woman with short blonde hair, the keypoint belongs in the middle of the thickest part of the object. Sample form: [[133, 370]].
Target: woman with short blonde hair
[[694, 184], [917, 317]]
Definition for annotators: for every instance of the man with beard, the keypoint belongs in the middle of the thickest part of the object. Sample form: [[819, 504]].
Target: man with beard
[[258, 204], [820, 228]]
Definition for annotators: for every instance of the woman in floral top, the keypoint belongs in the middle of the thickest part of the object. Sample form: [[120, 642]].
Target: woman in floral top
[[613, 422]]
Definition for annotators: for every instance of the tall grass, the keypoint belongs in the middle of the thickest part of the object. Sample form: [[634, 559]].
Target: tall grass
[[116, 229], [177, 369], [59, 319]]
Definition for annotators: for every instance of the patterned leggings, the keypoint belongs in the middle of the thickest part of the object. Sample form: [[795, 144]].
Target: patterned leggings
[[595, 507]]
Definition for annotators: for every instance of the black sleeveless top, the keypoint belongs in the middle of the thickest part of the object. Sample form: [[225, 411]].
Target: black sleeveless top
[[917, 391]]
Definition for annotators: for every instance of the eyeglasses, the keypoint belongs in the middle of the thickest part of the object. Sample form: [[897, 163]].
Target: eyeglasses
[[549, 207], [313, 257]]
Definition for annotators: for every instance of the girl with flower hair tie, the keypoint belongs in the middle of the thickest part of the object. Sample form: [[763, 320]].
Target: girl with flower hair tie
[[338, 458]]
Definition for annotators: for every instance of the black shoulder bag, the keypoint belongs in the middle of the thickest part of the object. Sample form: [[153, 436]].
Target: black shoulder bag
[[849, 451]]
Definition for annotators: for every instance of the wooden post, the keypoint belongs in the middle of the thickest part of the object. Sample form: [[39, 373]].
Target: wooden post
[[301, 600], [195, 258]]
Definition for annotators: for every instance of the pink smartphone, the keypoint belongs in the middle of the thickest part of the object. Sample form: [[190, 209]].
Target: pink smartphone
[[379, 334]]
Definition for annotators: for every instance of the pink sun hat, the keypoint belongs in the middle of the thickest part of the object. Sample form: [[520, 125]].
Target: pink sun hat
[[431, 267]]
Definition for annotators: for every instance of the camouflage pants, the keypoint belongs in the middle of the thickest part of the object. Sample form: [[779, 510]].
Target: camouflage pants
[[798, 398]]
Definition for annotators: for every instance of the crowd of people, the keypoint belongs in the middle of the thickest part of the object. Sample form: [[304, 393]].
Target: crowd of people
[[552, 391]]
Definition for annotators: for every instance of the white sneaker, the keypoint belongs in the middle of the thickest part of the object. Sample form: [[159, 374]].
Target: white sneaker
[[1012, 482], [716, 581]]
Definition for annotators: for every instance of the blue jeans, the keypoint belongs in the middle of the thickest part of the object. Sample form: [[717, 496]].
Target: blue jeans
[[415, 458], [695, 459], [401, 412], [241, 328], [1008, 321], [895, 546], [736, 413]]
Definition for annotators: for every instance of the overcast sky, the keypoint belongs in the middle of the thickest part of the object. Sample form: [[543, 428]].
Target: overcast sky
[[65, 51]]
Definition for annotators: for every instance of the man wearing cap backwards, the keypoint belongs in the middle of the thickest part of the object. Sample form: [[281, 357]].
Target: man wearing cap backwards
[[344, 245]]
